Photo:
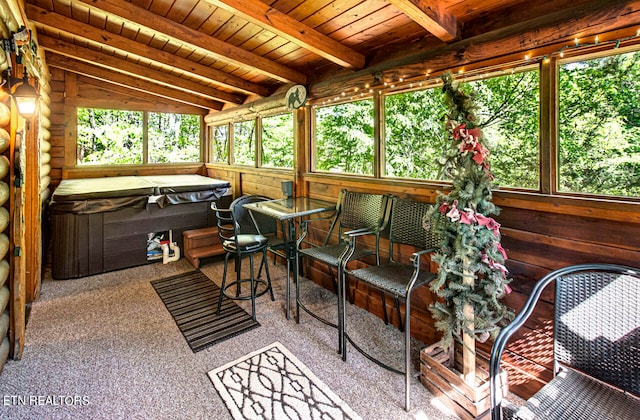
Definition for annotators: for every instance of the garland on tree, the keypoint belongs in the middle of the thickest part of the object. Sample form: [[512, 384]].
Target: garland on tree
[[470, 237]]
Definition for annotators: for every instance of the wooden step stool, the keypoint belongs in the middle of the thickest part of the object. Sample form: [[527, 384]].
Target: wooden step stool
[[201, 243]]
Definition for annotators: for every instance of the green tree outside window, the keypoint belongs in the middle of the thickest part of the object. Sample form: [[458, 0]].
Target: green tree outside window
[[108, 136], [244, 152], [344, 138], [277, 141], [173, 138], [220, 143], [599, 125]]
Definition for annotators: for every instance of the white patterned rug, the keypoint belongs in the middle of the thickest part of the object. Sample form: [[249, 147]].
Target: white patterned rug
[[271, 383]]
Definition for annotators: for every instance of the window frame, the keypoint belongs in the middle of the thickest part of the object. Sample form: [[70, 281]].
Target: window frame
[[554, 74], [145, 140], [257, 119], [370, 95]]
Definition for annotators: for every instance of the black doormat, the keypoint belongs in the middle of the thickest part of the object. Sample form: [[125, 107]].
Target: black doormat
[[192, 299]]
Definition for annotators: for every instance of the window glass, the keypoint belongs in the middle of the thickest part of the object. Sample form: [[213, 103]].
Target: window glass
[[173, 138], [599, 125], [344, 138], [277, 141], [508, 112], [244, 152], [107, 136], [220, 143], [413, 127]]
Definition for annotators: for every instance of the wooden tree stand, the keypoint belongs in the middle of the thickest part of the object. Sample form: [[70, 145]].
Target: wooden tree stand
[[443, 375]]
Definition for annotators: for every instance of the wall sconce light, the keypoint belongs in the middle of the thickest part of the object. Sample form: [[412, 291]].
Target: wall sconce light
[[24, 94], [26, 98]]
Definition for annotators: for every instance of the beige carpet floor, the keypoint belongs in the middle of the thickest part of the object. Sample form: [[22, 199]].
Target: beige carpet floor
[[106, 347]]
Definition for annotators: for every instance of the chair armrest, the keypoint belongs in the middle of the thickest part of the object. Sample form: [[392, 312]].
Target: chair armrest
[[415, 257], [357, 232], [350, 239]]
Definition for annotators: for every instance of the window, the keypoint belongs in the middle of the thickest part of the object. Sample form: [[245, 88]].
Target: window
[[344, 138], [599, 125], [277, 141], [173, 138], [219, 136], [108, 136], [115, 137], [244, 152], [508, 113], [414, 137]]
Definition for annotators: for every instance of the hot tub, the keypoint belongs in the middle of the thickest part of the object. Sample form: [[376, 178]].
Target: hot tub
[[105, 224]]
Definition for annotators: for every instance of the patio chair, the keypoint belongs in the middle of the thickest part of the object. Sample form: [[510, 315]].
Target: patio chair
[[395, 278], [240, 245], [355, 211], [596, 346]]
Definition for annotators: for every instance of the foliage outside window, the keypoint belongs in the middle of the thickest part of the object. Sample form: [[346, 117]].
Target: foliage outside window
[[508, 113], [244, 152], [344, 138], [219, 136], [173, 138], [599, 125], [414, 139], [277, 141], [116, 137], [107, 136]]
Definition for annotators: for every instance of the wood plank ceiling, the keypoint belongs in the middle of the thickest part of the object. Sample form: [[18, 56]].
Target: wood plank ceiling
[[214, 54]]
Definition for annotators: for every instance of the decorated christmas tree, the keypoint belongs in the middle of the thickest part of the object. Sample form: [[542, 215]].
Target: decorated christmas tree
[[471, 277]]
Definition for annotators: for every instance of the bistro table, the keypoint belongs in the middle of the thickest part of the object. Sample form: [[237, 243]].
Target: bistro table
[[287, 210]]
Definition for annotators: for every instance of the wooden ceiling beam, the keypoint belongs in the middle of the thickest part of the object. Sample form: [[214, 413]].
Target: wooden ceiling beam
[[103, 94], [50, 20], [261, 14], [430, 15], [96, 72], [504, 45], [223, 51], [136, 70]]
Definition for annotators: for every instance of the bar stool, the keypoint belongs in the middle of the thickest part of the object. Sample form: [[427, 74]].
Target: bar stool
[[239, 246]]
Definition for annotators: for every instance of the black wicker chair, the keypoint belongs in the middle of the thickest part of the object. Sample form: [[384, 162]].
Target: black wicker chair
[[240, 245], [394, 278], [596, 346], [354, 211]]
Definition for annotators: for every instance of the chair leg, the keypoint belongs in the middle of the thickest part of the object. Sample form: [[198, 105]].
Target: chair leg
[[262, 263], [397, 301], [385, 317], [224, 282], [239, 275], [407, 353], [265, 263], [253, 289], [336, 281], [342, 322]]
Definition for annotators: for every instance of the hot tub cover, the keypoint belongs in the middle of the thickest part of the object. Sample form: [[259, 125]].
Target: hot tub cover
[[94, 195]]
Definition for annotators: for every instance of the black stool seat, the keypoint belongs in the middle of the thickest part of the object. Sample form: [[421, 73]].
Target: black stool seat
[[246, 243]]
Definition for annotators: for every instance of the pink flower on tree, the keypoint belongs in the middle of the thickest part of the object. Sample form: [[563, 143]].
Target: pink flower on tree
[[460, 131], [489, 223], [467, 216], [501, 250], [454, 213]]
